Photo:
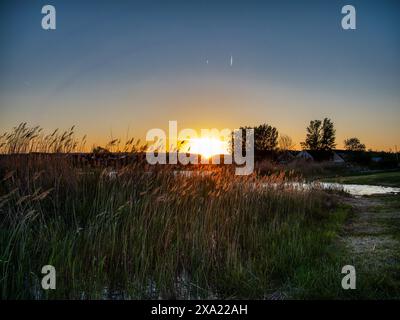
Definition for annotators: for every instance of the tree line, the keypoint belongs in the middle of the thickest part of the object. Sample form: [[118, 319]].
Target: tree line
[[320, 136]]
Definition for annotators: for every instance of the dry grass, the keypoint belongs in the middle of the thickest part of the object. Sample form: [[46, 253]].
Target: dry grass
[[148, 232]]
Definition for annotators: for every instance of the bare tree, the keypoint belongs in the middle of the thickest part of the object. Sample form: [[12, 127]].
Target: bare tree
[[286, 142]]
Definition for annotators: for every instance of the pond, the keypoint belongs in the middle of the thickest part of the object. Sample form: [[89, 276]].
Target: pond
[[360, 189], [353, 189]]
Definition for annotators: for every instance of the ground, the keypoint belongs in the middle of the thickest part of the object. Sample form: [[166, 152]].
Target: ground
[[367, 236], [372, 236], [372, 239]]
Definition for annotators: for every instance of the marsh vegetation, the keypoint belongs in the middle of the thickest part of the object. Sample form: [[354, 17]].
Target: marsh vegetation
[[146, 232]]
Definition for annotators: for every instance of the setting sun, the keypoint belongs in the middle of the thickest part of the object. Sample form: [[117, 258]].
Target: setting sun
[[207, 147]]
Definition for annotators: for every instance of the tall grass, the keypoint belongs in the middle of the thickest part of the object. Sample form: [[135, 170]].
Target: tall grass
[[152, 233], [25, 139]]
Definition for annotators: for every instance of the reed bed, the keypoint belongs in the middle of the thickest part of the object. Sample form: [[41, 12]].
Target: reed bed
[[147, 232]]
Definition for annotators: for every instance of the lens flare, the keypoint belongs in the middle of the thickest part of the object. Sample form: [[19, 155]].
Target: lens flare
[[207, 147]]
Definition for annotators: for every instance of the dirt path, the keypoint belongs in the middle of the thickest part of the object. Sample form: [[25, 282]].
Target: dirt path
[[372, 237]]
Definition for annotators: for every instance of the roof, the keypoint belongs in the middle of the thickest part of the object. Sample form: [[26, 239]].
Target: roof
[[320, 155], [305, 155]]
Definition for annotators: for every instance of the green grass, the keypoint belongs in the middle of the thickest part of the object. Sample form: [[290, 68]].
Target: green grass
[[321, 279], [390, 209], [383, 280], [390, 179]]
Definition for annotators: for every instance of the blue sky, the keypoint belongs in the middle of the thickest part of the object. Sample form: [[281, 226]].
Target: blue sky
[[114, 66]]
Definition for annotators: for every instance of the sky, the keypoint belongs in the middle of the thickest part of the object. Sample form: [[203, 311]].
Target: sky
[[120, 68]]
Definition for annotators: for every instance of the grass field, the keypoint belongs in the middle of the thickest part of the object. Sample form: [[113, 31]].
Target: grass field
[[147, 232], [390, 179], [156, 234]]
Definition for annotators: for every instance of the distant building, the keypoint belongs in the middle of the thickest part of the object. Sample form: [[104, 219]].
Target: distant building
[[286, 157], [337, 158], [314, 155], [305, 155]]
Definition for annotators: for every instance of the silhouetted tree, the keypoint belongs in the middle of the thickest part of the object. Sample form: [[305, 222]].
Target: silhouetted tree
[[321, 135], [354, 144], [285, 142], [265, 137], [313, 136], [328, 135]]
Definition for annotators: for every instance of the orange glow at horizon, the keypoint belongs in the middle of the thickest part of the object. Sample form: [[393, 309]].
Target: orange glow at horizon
[[207, 147]]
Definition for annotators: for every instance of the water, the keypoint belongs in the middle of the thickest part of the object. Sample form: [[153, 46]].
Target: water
[[353, 189], [360, 189]]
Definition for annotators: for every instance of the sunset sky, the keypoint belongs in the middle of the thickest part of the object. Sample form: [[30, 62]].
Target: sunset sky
[[117, 68]]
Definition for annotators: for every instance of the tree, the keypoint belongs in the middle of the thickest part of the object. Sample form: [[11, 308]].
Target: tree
[[265, 137], [321, 135], [354, 144], [286, 142], [328, 136], [313, 135]]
